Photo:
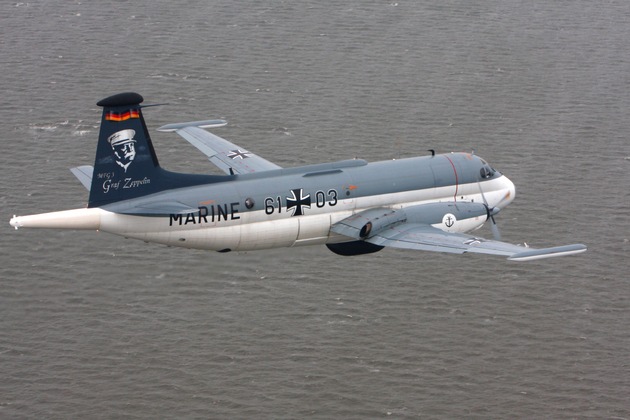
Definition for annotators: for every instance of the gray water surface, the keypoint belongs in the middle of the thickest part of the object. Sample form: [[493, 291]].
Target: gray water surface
[[95, 326]]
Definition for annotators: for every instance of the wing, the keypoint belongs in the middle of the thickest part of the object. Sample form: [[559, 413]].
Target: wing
[[229, 157], [401, 234], [428, 238]]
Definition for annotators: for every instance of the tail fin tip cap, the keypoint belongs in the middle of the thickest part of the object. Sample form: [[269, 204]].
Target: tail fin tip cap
[[121, 99]]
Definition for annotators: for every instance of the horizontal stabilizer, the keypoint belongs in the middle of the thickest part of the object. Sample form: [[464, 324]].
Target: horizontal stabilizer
[[201, 124], [84, 174], [538, 254]]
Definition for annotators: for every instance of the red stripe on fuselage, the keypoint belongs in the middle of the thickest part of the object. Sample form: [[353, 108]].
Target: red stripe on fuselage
[[456, 180]]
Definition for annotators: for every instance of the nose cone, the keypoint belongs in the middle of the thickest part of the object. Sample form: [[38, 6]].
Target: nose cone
[[509, 192]]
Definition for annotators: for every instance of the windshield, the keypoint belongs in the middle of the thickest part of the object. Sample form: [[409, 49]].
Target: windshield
[[486, 170]]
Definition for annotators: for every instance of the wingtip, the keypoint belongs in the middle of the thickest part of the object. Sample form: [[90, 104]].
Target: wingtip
[[558, 251]]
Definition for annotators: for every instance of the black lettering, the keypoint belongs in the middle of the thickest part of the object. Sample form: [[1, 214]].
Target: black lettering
[[190, 219], [333, 197], [222, 211], [234, 210], [203, 212], [269, 205], [320, 199], [175, 218]]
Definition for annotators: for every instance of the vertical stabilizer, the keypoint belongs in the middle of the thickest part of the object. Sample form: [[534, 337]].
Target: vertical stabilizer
[[126, 165]]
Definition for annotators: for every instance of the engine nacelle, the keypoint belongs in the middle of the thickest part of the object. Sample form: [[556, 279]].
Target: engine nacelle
[[378, 223], [449, 217]]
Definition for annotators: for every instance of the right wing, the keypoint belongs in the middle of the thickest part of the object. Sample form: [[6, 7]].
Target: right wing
[[229, 157]]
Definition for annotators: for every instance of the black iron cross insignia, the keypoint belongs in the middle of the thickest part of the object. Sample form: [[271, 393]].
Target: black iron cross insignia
[[297, 201], [240, 154]]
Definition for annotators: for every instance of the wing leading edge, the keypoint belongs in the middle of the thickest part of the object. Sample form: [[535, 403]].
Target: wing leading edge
[[227, 156]]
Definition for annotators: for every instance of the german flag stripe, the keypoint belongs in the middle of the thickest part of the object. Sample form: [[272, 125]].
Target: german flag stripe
[[122, 116]]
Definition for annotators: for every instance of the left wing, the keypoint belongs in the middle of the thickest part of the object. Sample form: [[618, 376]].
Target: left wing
[[428, 238], [229, 157], [392, 228]]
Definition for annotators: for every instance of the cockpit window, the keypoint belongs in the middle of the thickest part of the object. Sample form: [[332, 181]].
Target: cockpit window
[[486, 171]]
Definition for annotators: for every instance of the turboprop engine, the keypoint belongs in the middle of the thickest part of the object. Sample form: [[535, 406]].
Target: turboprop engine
[[449, 217]]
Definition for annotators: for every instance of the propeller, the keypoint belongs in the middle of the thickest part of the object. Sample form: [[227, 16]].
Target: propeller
[[491, 212]]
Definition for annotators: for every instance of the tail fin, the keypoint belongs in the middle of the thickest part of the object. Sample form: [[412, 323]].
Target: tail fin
[[126, 165]]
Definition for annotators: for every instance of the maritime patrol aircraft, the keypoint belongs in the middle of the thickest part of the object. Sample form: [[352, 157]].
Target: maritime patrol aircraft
[[426, 203]]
